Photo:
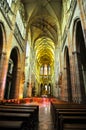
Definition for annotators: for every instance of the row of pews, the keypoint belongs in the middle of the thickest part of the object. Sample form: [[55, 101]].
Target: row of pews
[[19, 116], [68, 116]]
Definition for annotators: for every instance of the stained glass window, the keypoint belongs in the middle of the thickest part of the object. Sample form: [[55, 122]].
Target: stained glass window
[[45, 69]]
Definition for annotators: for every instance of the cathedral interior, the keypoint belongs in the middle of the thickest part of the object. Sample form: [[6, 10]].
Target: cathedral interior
[[43, 54]]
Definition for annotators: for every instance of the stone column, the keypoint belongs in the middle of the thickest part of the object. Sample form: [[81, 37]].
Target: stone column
[[64, 89], [76, 56], [82, 6], [3, 73], [72, 71], [17, 84], [29, 91]]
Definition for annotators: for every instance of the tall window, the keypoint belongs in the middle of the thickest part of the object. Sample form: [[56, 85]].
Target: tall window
[[46, 87], [41, 70], [27, 49], [45, 70], [9, 2], [48, 69]]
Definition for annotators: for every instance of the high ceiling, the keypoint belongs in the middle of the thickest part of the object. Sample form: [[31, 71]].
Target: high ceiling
[[44, 18]]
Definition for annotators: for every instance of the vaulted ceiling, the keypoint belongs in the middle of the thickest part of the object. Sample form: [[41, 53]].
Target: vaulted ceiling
[[43, 18]]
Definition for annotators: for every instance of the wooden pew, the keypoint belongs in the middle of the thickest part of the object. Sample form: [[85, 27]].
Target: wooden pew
[[54, 106], [69, 118], [72, 122], [11, 110], [13, 125], [23, 106], [33, 110], [16, 117], [67, 109]]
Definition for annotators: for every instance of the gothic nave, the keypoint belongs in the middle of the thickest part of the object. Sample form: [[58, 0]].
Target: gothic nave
[[43, 51]]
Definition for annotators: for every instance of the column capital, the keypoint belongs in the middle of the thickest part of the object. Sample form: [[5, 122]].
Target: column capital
[[65, 68], [2, 53], [75, 52]]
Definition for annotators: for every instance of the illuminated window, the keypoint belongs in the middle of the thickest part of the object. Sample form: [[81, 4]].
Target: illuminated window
[[45, 69], [27, 50], [46, 87], [41, 70], [48, 70], [9, 2]]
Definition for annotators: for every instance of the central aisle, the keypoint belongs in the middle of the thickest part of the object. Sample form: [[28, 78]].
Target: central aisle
[[45, 119]]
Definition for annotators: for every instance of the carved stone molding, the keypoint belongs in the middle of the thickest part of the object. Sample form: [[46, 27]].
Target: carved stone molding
[[84, 6]]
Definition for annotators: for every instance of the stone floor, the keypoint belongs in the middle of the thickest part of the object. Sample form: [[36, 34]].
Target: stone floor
[[45, 119]]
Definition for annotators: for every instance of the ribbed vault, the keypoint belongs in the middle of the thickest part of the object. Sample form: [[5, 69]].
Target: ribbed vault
[[43, 18], [45, 50]]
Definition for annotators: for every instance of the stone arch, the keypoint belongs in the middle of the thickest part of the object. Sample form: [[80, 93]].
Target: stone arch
[[13, 75], [67, 74], [79, 56], [2, 39], [3, 58]]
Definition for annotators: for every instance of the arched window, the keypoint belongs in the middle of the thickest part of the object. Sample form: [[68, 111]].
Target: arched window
[[46, 87], [9, 2], [27, 49], [45, 69], [41, 70], [48, 69]]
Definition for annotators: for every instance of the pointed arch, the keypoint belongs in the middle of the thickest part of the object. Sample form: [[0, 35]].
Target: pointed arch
[[79, 55], [13, 79], [67, 73]]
